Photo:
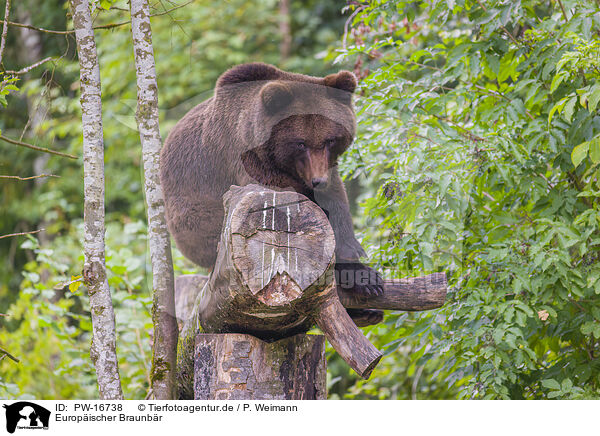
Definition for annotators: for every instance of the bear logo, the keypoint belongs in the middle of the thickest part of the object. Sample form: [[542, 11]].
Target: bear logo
[[24, 414]]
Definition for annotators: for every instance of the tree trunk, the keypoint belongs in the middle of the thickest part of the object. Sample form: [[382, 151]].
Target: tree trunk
[[285, 30], [236, 366], [103, 350], [273, 279], [4, 29], [163, 310]]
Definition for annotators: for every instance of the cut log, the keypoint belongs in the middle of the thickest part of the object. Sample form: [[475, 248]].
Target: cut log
[[409, 294], [273, 278], [242, 367], [274, 265]]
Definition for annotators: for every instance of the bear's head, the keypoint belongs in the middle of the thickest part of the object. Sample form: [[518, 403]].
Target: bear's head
[[302, 125], [305, 148]]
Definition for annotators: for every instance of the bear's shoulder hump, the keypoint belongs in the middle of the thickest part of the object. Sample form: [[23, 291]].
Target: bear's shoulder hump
[[249, 73]]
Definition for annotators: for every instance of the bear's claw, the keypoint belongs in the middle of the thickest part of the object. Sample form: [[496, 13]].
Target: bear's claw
[[359, 279]]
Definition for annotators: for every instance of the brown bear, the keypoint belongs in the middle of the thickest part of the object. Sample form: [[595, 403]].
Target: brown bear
[[276, 128]]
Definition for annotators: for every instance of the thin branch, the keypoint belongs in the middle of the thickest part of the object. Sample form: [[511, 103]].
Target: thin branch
[[6, 353], [424, 66], [60, 286], [467, 133], [498, 94], [580, 187], [39, 29], [350, 18], [102, 27], [29, 68], [149, 394], [4, 30], [510, 35], [27, 178], [172, 9], [562, 8], [35, 147], [21, 234]]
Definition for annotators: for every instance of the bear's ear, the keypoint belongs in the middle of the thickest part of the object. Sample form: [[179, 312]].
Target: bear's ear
[[344, 80], [275, 96]]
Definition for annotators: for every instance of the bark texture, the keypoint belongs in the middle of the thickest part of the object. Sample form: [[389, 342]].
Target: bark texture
[[242, 367], [410, 294], [163, 311], [273, 279], [4, 29], [103, 350]]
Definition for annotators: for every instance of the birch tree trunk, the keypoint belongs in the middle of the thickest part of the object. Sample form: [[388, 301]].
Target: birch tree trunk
[[103, 350], [163, 313]]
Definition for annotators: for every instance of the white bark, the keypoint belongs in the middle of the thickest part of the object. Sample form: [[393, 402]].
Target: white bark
[[163, 313], [4, 29], [103, 350]]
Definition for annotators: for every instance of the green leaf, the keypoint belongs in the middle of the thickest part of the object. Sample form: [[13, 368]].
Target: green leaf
[[556, 81], [595, 150], [567, 384], [594, 97], [550, 383], [569, 108], [558, 107], [588, 327], [579, 153]]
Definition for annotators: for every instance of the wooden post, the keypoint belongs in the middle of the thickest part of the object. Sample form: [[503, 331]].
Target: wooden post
[[236, 366]]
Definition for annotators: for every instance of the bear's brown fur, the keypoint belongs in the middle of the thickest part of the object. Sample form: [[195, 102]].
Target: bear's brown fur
[[263, 125]]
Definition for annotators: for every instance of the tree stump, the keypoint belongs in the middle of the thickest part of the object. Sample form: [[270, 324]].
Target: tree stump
[[242, 367]]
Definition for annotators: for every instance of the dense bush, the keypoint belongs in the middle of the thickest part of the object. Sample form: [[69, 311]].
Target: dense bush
[[479, 131]]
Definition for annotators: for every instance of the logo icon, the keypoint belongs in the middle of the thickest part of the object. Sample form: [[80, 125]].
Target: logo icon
[[26, 415]]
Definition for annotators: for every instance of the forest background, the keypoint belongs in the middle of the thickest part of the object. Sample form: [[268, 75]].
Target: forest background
[[477, 154]]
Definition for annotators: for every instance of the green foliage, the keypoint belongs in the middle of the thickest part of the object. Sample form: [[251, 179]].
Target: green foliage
[[479, 147], [6, 86], [479, 134], [48, 329]]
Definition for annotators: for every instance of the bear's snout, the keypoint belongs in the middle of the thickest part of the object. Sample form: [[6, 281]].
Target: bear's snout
[[319, 182]]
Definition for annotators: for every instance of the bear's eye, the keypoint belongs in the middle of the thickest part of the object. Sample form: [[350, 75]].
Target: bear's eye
[[300, 145], [330, 142]]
